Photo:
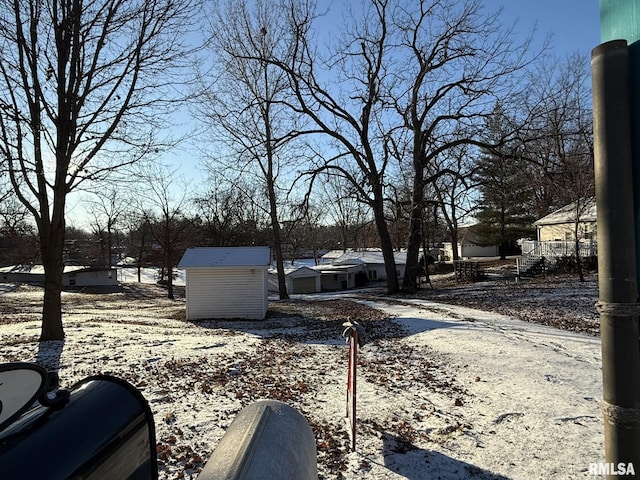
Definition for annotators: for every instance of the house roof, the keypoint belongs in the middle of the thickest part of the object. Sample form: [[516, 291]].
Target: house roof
[[333, 254], [198, 257], [327, 268], [468, 234], [368, 257], [296, 271], [567, 214], [39, 269]]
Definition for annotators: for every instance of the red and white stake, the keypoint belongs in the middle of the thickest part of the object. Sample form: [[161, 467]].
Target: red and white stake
[[356, 336]]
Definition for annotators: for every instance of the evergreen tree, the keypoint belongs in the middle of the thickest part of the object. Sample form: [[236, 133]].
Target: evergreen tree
[[504, 212]]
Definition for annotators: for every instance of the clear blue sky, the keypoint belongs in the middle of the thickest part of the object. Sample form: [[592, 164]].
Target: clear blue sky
[[573, 24]]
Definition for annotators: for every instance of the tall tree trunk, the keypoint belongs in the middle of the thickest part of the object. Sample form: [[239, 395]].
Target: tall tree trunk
[[425, 255], [109, 246], [577, 246], [277, 242], [51, 247], [454, 244], [170, 273], [503, 234], [410, 280], [386, 245]]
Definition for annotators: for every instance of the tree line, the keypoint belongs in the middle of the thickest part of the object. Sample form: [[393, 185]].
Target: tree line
[[405, 119]]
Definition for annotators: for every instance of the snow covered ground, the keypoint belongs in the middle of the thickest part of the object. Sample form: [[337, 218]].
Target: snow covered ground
[[444, 392]]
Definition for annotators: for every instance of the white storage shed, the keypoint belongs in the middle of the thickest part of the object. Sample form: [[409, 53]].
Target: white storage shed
[[226, 282]]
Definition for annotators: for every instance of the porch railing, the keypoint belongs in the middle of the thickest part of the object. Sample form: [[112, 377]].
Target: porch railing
[[534, 253], [554, 249]]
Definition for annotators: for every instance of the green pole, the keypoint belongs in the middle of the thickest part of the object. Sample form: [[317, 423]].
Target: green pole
[[616, 255], [616, 96], [620, 20]]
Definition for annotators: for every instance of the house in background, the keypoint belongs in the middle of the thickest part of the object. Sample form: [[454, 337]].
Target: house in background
[[560, 226], [470, 245], [338, 277], [226, 282], [372, 263], [556, 236], [72, 276], [298, 279], [90, 277], [328, 257]]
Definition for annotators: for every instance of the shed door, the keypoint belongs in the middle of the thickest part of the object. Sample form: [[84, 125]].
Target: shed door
[[304, 285]]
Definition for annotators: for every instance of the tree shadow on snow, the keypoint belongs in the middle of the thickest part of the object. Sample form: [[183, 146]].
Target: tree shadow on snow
[[413, 325], [313, 330], [404, 458], [290, 328]]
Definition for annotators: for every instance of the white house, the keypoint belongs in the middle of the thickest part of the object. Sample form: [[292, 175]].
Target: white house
[[556, 235], [299, 279], [226, 282], [560, 226], [372, 262]]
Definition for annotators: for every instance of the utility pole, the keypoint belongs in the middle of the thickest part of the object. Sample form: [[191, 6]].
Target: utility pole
[[620, 20], [615, 68]]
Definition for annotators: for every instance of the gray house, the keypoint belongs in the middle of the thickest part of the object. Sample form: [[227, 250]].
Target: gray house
[[226, 282], [72, 276]]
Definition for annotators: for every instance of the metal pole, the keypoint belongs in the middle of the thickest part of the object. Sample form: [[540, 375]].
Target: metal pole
[[620, 20], [616, 254], [356, 336], [354, 366]]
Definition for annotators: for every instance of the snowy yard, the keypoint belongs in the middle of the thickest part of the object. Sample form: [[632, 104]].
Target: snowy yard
[[444, 391]]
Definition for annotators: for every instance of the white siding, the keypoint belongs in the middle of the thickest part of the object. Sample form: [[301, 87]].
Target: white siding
[[226, 293], [565, 231]]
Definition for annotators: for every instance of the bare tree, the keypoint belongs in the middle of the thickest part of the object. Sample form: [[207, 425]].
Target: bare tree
[[18, 241], [343, 101], [452, 188], [83, 89], [223, 213], [245, 103], [105, 210], [559, 143], [457, 60], [164, 211], [341, 206], [139, 236]]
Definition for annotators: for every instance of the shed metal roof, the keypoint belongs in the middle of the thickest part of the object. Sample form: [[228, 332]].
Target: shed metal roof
[[198, 257]]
